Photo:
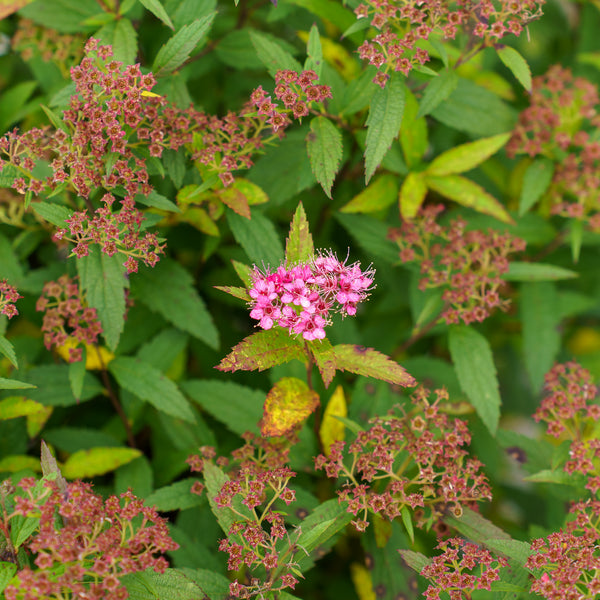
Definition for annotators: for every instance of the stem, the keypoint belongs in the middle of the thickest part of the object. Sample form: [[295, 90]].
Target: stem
[[418, 333]]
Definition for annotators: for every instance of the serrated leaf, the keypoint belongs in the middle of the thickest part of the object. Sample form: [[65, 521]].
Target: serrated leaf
[[14, 384], [529, 271], [536, 180], [235, 200], [238, 407], [97, 461], [53, 213], [324, 357], [288, 404], [468, 193], [474, 364], [370, 363], [158, 10], [466, 156], [299, 247], [263, 350], [383, 123], [168, 289], [474, 526], [378, 195], [236, 292], [157, 201], [149, 384], [7, 569], [412, 195], [514, 549], [6, 348], [172, 584], [272, 55], [314, 51], [438, 90], [540, 318], [178, 49], [121, 35], [415, 560], [324, 146], [176, 496], [561, 477], [102, 277], [517, 65], [332, 428]]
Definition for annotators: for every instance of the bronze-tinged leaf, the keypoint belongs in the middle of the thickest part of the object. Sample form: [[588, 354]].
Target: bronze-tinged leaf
[[370, 363], [288, 404], [237, 292], [236, 200], [263, 350], [8, 7], [299, 244], [324, 357], [50, 466]]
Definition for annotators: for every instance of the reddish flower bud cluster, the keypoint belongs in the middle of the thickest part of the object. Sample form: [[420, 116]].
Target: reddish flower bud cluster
[[570, 409], [413, 460], [570, 558], [403, 24], [85, 543], [258, 477], [120, 232], [461, 568], [300, 298], [468, 264], [67, 318], [8, 297], [563, 110]]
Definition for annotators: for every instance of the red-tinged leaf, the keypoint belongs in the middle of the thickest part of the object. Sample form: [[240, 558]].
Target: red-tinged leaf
[[370, 363], [236, 292], [7, 7], [324, 357], [288, 404], [263, 350], [236, 200], [299, 245]]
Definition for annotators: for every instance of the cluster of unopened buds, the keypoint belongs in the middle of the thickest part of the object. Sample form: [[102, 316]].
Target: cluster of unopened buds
[[8, 297], [84, 543], [258, 477], [461, 568], [402, 25], [67, 318], [467, 263], [570, 408], [301, 298], [567, 563], [410, 461], [561, 124]]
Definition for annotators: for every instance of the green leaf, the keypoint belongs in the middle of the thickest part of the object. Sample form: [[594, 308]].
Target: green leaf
[[561, 477], [65, 16], [536, 181], [412, 195], [514, 549], [413, 132], [407, 520], [415, 560], [97, 461], [164, 349], [371, 235], [71, 439], [468, 193], [158, 10], [540, 318], [7, 569], [103, 279], [324, 146], [299, 247], [370, 363], [53, 387], [466, 156], [438, 90], [476, 527], [529, 271], [474, 364], [13, 101], [178, 49], [6, 348], [157, 200], [314, 51], [168, 289], [258, 237], [173, 584], [517, 65], [383, 123], [272, 55], [324, 357], [13, 384], [53, 213], [77, 374], [238, 407], [122, 37], [176, 496], [378, 195], [149, 384], [263, 350]]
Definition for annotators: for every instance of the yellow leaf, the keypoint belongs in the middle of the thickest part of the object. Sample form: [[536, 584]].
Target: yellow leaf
[[97, 357], [586, 340], [363, 584], [150, 94], [332, 430], [97, 461]]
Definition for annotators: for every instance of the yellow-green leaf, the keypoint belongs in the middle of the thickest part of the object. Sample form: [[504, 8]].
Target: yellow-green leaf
[[517, 65], [332, 429], [363, 584], [375, 197], [19, 462], [288, 404], [412, 194], [97, 461], [299, 245]]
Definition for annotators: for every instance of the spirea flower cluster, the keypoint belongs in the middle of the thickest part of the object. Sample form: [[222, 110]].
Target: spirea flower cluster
[[410, 459], [402, 25], [301, 298], [561, 124], [461, 568], [569, 559], [67, 317], [84, 543], [467, 264], [8, 297]]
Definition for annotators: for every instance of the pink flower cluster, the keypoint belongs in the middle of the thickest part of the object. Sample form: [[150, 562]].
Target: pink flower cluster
[[301, 298], [8, 297]]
